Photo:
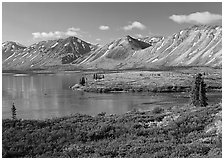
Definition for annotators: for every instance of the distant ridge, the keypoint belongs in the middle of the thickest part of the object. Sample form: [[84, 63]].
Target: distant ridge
[[47, 53], [198, 45], [194, 46], [9, 48]]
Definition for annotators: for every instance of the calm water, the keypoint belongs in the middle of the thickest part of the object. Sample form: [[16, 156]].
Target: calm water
[[41, 96]]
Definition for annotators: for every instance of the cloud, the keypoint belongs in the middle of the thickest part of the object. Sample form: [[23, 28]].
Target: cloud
[[104, 28], [98, 39], [36, 35], [57, 34], [197, 18], [134, 24], [74, 29], [139, 35]]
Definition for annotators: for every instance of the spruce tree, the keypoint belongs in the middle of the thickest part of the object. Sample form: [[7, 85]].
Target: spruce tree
[[82, 81], [13, 109], [198, 92], [202, 94], [94, 76]]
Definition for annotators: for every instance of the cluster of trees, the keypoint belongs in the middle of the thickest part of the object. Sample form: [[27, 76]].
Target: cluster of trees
[[98, 76]]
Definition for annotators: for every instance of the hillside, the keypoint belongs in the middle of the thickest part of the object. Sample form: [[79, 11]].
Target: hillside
[[117, 51], [175, 132], [194, 46], [9, 48], [48, 53]]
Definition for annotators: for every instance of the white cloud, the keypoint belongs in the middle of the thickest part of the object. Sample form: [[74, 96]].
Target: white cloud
[[57, 34], [104, 28], [139, 35], [36, 35], [98, 39], [74, 29], [134, 24], [197, 18], [71, 33]]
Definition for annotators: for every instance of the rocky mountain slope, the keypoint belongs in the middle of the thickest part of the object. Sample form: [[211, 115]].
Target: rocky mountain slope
[[117, 51], [48, 53], [194, 46], [9, 48]]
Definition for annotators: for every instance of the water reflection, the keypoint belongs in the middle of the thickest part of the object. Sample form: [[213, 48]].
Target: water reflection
[[42, 96]]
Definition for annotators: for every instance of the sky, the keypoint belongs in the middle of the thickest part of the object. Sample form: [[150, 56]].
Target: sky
[[94, 22]]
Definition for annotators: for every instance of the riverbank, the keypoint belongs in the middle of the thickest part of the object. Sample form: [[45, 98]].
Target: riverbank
[[151, 81], [183, 131]]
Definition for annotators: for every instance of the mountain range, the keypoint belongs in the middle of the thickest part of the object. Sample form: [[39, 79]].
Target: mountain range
[[199, 45]]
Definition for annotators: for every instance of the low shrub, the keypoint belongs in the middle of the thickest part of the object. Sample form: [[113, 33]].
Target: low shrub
[[157, 110], [127, 135]]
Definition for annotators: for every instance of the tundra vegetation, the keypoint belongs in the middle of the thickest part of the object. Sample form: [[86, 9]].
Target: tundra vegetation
[[183, 131], [170, 80], [176, 132]]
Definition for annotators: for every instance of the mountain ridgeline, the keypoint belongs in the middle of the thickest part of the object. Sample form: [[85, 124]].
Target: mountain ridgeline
[[47, 53], [9, 48], [194, 46]]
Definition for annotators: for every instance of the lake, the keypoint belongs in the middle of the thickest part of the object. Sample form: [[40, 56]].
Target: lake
[[42, 96]]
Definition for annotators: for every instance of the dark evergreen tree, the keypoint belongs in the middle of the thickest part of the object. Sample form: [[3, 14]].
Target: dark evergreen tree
[[13, 109], [94, 76], [202, 94], [82, 81], [198, 92]]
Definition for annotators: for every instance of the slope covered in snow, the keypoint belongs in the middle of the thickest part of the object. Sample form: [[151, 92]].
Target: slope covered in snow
[[117, 51], [195, 46], [48, 53], [9, 48]]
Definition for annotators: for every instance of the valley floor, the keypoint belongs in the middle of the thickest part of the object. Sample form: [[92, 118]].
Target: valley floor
[[183, 131], [179, 80]]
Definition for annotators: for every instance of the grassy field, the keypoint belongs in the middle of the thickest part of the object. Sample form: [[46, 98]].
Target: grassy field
[[183, 131], [177, 80]]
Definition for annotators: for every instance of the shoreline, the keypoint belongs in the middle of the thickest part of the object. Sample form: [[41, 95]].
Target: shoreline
[[163, 89], [149, 81], [159, 68]]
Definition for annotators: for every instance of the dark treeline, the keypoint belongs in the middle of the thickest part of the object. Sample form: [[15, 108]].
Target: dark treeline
[[98, 76]]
